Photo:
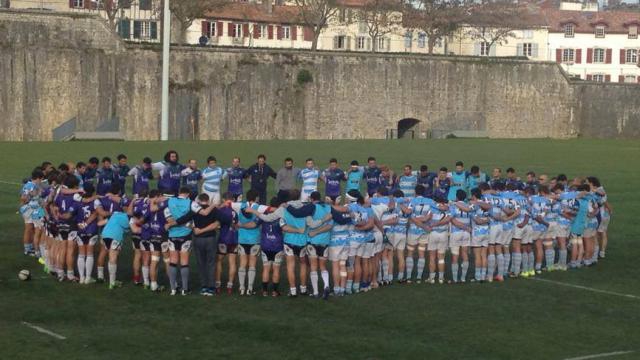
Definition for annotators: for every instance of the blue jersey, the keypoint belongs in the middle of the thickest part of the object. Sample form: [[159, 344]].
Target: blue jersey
[[309, 179], [508, 203], [332, 179], [458, 182], [294, 239], [89, 175], [420, 207], [122, 171], [67, 205], [324, 238], [271, 236], [461, 216], [407, 184], [178, 207], [580, 220], [567, 202], [170, 175], [248, 236], [372, 177], [235, 177], [116, 227], [354, 178], [88, 208], [212, 178], [480, 215], [342, 228], [106, 178], [191, 180], [141, 178], [441, 189], [427, 182], [361, 215]]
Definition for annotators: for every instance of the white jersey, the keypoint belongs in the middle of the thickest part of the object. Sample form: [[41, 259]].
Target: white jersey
[[309, 180], [212, 178]]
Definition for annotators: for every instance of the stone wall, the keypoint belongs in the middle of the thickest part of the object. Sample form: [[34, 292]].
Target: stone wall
[[54, 67], [608, 110]]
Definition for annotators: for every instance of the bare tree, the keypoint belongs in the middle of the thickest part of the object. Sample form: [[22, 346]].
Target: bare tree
[[494, 22], [436, 18], [186, 11], [381, 17], [315, 15], [112, 8]]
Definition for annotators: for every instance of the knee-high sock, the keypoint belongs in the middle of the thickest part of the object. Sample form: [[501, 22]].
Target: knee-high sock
[[516, 262], [173, 276], [100, 272], [507, 260], [562, 257], [491, 265], [314, 281], [145, 274], [454, 272], [81, 266], [325, 279], [549, 256], [409, 266], [421, 262], [500, 261], [113, 268], [596, 251], [385, 270], [465, 269], [252, 278], [242, 276], [532, 260], [525, 262], [184, 275], [88, 265]]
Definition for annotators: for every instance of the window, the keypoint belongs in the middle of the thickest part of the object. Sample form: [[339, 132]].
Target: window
[[485, 49], [408, 38], [78, 4], [342, 15], [340, 42], [597, 77], [212, 29], [600, 31], [630, 79], [237, 30], [382, 43], [145, 5], [598, 56], [633, 32], [568, 30], [631, 56], [527, 34], [145, 30], [361, 43], [263, 31], [286, 32], [422, 40], [527, 49], [363, 28], [568, 55]]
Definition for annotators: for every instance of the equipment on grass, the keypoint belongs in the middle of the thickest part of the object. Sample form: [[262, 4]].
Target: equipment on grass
[[24, 275]]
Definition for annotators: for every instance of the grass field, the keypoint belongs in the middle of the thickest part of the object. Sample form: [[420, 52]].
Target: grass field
[[521, 319]]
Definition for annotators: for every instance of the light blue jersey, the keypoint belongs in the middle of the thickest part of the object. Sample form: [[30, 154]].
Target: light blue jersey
[[248, 236], [580, 220], [567, 202], [178, 207], [403, 219], [496, 209], [458, 182], [480, 215], [116, 227], [439, 215], [309, 179], [354, 178], [523, 205], [461, 216], [380, 206], [407, 183], [294, 239], [540, 206], [212, 178], [420, 207], [592, 221], [509, 203], [361, 215], [322, 239]]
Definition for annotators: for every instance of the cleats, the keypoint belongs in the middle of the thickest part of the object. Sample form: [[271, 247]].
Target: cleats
[[184, 292], [242, 292], [41, 260], [173, 293], [431, 281], [115, 285], [229, 291], [325, 293], [275, 293], [250, 292], [498, 278]]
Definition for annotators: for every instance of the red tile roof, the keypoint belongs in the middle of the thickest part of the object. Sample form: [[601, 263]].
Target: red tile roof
[[585, 22], [251, 12]]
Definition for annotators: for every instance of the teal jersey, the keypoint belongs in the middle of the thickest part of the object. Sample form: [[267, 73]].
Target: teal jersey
[[580, 220], [294, 239], [473, 181], [177, 208], [458, 182], [354, 178], [322, 239], [248, 236], [116, 227]]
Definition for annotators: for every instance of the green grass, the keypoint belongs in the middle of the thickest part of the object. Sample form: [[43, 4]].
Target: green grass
[[522, 319]]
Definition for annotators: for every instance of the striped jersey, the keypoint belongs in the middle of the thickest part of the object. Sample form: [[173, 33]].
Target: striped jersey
[[212, 178]]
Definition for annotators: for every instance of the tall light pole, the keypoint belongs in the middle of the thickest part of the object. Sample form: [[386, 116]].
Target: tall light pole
[[166, 40]]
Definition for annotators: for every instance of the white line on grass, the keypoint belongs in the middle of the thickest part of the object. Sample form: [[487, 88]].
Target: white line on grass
[[596, 356], [635, 297], [44, 331], [9, 182]]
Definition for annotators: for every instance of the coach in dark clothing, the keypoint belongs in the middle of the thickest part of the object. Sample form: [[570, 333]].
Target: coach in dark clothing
[[205, 242], [258, 174]]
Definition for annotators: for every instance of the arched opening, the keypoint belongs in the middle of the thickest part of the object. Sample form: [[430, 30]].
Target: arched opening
[[407, 128]]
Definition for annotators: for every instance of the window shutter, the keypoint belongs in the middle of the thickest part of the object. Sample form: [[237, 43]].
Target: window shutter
[[307, 33], [388, 46], [369, 44], [137, 29], [608, 56], [219, 28], [492, 50], [294, 32], [638, 79], [206, 28], [578, 59], [623, 55], [124, 27], [520, 50], [256, 31], [589, 56], [558, 55], [145, 5], [620, 78], [71, 4], [589, 77], [245, 30], [270, 31], [88, 4], [607, 78], [153, 27], [534, 50], [348, 43], [230, 30], [279, 32], [476, 49], [335, 42]]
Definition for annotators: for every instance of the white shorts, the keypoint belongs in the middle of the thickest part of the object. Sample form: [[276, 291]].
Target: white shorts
[[438, 241], [338, 253], [214, 197], [563, 231], [495, 233], [505, 238], [520, 233], [356, 248], [417, 239], [368, 251], [304, 197], [604, 224], [458, 239], [480, 240], [552, 231], [589, 232], [379, 242], [397, 241]]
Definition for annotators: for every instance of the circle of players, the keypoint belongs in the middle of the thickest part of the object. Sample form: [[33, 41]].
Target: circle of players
[[371, 228]]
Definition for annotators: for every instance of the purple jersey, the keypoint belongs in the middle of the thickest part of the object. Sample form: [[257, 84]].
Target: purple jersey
[[141, 178], [111, 204], [228, 218], [372, 177], [271, 236], [87, 208], [154, 224], [333, 177], [235, 177], [67, 205], [106, 178], [170, 177], [443, 189], [140, 206]]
